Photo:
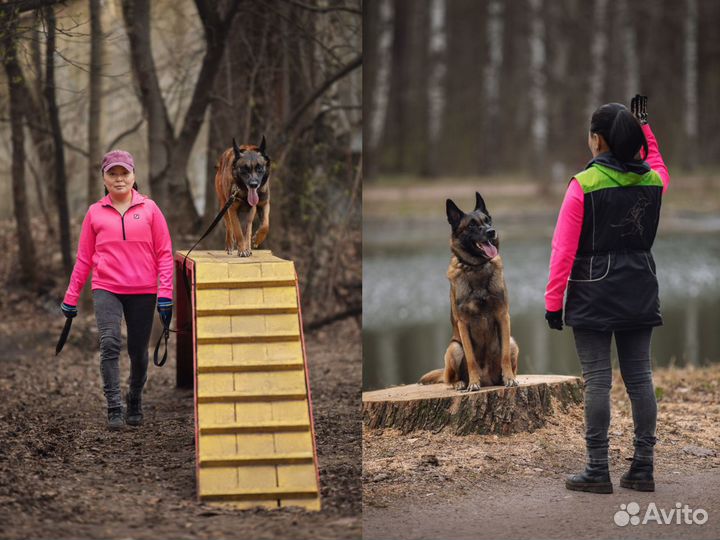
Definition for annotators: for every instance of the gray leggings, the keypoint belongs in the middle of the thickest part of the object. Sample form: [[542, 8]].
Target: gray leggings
[[633, 348], [138, 310]]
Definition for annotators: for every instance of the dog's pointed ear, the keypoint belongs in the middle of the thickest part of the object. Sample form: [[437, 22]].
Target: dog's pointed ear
[[454, 214], [480, 204], [262, 145], [236, 149]]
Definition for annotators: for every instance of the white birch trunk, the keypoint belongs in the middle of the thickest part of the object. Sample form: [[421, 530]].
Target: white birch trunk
[[538, 90], [691, 72], [495, 29], [598, 50], [632, 62], [378, 112], [436, 83]]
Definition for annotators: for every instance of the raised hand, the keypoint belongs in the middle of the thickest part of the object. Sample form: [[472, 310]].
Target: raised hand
[[638, 107]]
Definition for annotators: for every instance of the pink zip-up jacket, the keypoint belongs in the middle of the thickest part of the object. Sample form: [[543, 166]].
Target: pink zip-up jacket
[[569, 225], [128, 254]]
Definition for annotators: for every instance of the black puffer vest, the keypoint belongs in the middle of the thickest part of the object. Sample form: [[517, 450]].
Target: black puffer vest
[[613, 283]]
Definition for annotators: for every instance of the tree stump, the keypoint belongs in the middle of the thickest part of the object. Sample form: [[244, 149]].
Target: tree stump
[[494, 409]]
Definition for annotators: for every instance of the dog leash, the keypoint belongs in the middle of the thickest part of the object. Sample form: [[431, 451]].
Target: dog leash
[[223, 211], [165, 335], [166, 329]]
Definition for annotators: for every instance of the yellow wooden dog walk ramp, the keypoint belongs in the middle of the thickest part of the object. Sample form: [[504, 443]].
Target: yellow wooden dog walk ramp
[[254, 434]]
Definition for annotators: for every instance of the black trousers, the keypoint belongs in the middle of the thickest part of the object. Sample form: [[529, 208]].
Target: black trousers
[[633, 348]]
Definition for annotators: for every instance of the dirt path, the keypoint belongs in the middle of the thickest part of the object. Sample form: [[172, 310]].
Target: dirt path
[[440, 485], [63, 475], [543, 508]]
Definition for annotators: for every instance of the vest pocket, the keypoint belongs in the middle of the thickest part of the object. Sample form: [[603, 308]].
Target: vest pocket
[[589, 268]]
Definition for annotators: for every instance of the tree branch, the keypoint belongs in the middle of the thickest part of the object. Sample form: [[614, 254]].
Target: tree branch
[[317, 9], [21, 6], [348, 68], [201, 93], [124, 134], [46, 131]]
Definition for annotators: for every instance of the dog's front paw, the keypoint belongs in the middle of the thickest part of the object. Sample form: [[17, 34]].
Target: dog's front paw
[[473, 387], [244, 253], [460, 385], [255, 244], [510, 381]]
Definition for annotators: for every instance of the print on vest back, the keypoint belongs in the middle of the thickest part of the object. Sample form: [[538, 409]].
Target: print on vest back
[[632, 222]]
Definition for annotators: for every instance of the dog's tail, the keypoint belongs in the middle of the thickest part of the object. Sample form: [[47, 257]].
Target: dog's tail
[[432, 377]]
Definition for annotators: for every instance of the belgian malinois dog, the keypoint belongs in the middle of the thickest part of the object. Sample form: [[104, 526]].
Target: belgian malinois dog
[[481, 351], [244, 168]]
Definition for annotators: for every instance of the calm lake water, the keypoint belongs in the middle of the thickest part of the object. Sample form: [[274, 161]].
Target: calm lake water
[[406, 315]]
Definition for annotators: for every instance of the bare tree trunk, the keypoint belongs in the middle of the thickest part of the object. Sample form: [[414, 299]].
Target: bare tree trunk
[[598, 49], [213, 147], [538, 93], [494, 30], [160, 131], [35, 112], [59, 146], [436, 84], [95, 113], [691, 84], [16, 85], [169, 155]]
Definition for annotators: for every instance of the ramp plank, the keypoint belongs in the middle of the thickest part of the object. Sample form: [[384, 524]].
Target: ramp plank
[[255, 438]]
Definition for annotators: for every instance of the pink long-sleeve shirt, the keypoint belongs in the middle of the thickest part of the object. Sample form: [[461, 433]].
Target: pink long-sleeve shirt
[[569, 225], [127, 253]]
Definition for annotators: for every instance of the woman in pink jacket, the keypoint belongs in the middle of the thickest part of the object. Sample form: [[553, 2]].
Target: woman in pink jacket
[[126, 243], [601, 255]]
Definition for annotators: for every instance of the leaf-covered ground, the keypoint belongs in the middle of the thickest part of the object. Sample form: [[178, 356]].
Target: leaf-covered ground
[[63, 475], [422, 483]]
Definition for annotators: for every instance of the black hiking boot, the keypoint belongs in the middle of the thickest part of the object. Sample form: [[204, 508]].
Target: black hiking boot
[[640, 475], [115, 419], [134, 415], [594, 479]]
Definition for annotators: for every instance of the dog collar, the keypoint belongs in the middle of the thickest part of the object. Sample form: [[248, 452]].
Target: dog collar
[[462, 261]]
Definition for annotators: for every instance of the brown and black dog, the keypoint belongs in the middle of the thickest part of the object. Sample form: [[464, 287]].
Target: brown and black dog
[[481, 351], [247, 169]]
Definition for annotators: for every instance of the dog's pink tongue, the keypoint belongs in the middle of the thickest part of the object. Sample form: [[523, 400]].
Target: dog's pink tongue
[[489, 250], [253, 196]]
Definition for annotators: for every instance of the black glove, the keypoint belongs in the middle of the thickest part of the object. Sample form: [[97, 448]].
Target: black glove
[[554, 319], [165, 307], [68, 310], [638, 107]]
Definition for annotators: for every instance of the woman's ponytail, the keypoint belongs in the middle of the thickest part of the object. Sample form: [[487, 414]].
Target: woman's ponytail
[[620, 129]]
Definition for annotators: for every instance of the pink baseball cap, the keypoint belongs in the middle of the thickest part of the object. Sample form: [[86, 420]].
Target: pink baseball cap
[[118, 157]]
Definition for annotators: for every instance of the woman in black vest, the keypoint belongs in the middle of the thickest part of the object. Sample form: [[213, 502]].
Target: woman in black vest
[[601, 256]]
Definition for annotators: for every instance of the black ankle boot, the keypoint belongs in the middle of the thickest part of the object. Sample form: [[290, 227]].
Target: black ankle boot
[[115, 418], [595, 479], [134, 415], [640, 475]]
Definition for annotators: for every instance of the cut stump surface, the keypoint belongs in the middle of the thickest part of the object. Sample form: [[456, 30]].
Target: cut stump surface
[[494, 409]]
